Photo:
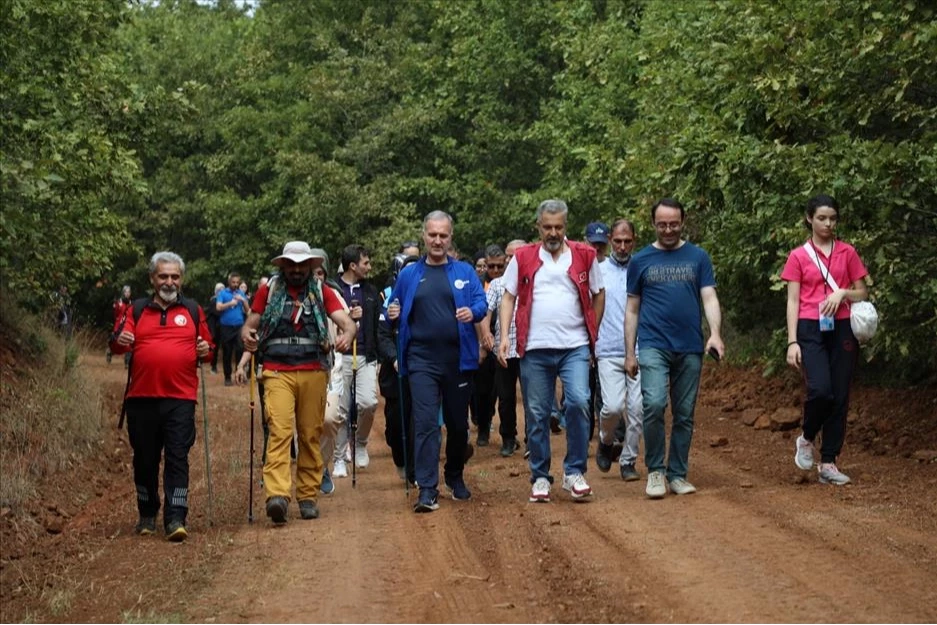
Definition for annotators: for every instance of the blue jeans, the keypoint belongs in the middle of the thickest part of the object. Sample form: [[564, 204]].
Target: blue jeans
[[660, 370], [539, 371]]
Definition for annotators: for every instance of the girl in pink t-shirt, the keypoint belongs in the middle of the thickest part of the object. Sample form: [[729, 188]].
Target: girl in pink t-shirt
[[823, 276]]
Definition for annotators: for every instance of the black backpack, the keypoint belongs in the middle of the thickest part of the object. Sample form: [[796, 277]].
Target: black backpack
[[138, 305]]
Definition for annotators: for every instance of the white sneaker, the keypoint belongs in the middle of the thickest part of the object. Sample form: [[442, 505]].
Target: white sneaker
[[362, 459], [656, 485], [577, 486], [803, 453], [829, 474], [339, 469], [679, 486], [540, 492], [347, 453]]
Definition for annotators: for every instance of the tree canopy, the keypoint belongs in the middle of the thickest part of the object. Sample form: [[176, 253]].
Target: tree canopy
[[220, 132]]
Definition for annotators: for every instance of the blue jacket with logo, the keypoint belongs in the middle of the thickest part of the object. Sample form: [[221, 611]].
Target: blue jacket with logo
[[467, 291]]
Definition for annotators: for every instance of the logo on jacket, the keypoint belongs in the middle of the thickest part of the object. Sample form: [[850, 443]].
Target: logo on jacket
[[459, 284], [180, 320], [583, 277]]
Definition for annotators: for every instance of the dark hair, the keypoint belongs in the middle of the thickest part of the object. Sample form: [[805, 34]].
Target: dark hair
[[622, 222], [477, 256], [494, 251], [353, 254], [816, 202], [670, 203]]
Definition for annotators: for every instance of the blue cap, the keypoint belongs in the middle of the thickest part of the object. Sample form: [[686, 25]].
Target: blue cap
[[597, 232]]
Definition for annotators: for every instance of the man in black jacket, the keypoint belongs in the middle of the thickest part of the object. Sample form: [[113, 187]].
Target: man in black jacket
[[364, 306]]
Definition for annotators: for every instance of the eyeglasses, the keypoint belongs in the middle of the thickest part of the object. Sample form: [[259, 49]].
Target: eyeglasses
[[674, 225], [495, 266], [168, 276]]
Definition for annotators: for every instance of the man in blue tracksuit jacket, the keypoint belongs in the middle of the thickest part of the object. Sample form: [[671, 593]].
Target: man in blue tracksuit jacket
[[436, 302]]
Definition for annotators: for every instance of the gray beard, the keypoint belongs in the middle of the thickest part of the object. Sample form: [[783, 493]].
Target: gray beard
[[169, 295], [621, 260]]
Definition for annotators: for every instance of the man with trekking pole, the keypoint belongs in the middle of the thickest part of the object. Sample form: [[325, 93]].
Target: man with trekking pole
[[435, 304], [167, 335], [288, 325]]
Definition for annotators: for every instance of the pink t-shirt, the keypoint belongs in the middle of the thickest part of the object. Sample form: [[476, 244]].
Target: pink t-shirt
[[845, 267]]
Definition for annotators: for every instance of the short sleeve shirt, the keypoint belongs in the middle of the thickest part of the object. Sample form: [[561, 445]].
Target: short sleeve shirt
[[844, 266]]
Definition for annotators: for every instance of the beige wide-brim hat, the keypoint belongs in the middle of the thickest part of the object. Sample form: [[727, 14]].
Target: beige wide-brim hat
[[298, 252]]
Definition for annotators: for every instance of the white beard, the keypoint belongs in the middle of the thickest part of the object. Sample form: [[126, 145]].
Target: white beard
[[169, 294]]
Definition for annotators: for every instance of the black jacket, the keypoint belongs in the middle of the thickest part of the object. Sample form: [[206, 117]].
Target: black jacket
[[370, 319]]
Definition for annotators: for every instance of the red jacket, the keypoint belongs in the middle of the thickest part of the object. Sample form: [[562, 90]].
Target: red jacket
[[528, 262], [164, 361], [121, 306]]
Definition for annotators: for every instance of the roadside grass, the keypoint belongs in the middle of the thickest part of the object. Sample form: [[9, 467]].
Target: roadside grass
[[50, 411]]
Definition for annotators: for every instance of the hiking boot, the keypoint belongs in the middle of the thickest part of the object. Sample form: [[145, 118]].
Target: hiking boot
[[175, 532], [469, 452], [362, 459], [656, 485], [508, 447], [339, 469], [460, 491], [328, 486], [803, 453], [483, 439], [308, 509], [829, 474], [679, 486], [629, 473], [540, 491], [146, 526], [276, 510], [603, 457], [577, 486], [427, 501]]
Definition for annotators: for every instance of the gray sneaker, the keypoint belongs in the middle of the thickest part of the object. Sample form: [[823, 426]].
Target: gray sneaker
[[629, 473], [656, 485], [803, 453], [679, 486], [829, 474]]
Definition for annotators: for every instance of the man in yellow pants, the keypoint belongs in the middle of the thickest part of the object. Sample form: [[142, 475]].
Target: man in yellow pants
[[288, 324]]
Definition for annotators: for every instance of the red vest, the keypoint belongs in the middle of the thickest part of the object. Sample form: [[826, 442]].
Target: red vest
[[528, 262]]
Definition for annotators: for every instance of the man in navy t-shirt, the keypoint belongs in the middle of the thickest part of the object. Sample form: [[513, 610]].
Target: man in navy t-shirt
[[667, 282]]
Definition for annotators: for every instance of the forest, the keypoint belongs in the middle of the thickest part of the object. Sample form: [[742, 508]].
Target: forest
[[220, 130]]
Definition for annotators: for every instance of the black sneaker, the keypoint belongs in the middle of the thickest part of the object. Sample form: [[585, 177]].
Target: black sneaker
[[175, 532], [308, 509], [603, 457], [146, 526], [460, 491], [483, 438], [629, 473], [228, 383], [509, 446], [276, 509], [427, 501]]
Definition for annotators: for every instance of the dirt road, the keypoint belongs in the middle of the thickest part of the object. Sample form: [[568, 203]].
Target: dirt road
[[756, 543]]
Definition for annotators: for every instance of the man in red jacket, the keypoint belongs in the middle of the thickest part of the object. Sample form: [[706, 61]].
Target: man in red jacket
[[161, 396], [560, 296]]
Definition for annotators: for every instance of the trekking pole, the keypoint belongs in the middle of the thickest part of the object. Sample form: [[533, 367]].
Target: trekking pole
[[353, 412], [201, 372], [250, 481]]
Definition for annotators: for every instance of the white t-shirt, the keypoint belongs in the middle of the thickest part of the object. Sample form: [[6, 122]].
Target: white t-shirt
[[556, 320]]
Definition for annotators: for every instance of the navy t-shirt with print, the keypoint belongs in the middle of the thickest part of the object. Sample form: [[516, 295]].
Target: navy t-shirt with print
[[434, 330], [669, 283]]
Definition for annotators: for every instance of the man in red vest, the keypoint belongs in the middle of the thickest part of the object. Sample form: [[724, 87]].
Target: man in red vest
[[557, 285]]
